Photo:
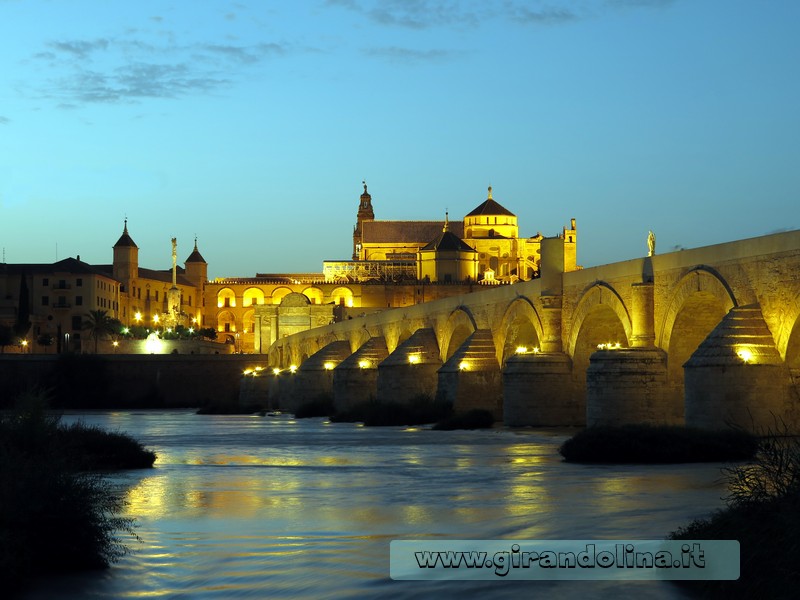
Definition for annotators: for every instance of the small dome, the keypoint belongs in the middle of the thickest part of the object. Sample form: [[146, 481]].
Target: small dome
[[295, 299]]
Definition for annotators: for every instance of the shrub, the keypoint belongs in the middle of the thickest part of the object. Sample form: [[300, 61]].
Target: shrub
[[762, 508], [54, 517], [650, 444]]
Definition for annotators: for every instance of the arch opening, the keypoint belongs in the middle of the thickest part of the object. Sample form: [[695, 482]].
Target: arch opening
[[600, 326], [252, 296], [699, 314], [457, 338], [279, 294]]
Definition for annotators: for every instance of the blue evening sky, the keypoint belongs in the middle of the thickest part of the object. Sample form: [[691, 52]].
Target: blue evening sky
[[252, 123]]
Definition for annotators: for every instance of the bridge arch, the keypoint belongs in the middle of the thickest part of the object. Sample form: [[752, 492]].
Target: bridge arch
[[600, 304], [520, 326], [459, 326], [698, 302], [600, 317], [789, 332]]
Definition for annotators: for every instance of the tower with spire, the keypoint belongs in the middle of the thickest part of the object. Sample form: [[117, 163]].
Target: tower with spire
[[196, 268], [365, 213], [126, 259]]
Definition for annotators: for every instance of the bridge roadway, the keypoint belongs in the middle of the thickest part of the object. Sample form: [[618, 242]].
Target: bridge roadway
[[706, 337]]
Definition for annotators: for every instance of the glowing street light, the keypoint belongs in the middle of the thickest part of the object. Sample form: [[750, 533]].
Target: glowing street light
[[138, 316]]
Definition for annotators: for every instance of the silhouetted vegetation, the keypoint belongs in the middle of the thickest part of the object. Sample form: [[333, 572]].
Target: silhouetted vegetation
[[650, 444], [420, 410], [762, 513], [80, 381], [321, 406], [477, 418], [55, 515]]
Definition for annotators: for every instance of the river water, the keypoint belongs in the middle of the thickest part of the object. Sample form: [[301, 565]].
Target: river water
[[273, 507]]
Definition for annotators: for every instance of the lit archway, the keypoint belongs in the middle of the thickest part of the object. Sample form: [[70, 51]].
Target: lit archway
[[521, 327], [226, 321], [279, 293], [342, 296], [314, 294], [699, 302], [226, 298], [248, 321], [460, 325], [595, 300], [252, 296]]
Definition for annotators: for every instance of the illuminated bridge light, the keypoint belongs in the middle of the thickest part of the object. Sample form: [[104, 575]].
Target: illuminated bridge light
[[413, 359], [293, 368], [521, 350], [745, 354], [364, 364], [328, 366], [276, 371], [463, 365]]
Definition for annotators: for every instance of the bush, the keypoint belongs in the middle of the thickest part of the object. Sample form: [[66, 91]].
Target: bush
[[650, 444], [761, 513], [53, 515], [93, 448], [420, 410], [477, 418]]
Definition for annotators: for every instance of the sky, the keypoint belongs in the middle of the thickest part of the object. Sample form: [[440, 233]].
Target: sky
[[251, 124]]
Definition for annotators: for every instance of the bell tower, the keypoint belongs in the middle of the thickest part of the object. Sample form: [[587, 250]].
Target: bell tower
[[365, 213]]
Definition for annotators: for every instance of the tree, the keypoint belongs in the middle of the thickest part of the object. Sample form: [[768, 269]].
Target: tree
[[98, 324]]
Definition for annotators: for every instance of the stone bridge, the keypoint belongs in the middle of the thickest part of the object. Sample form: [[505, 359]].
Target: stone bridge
[[706, 337]]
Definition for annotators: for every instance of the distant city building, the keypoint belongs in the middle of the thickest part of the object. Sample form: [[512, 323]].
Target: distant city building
[[394, 263]]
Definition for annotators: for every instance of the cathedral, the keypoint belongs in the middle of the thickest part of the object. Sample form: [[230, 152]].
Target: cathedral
[[394, 263]]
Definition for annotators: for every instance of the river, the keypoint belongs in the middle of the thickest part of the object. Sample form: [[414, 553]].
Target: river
[[273, 507]]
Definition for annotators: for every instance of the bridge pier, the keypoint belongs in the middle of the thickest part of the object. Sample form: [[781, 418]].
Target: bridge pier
[[737, 377], [314, 378], [629, 386], [538, 391], [411, 370], [470, 379], [254, 389], [355, 380]]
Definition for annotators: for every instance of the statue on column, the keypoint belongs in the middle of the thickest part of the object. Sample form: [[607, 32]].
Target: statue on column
[[651, 244]]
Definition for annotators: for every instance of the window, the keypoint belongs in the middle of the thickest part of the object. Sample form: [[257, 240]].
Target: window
[[79, 282], [76, 322], [156, 295], [78, 300], [45, 281], [45, 300]]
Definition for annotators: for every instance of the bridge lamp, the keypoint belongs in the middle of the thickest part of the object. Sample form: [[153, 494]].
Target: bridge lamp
[[293, 368], [745, 354], [364, 364], [247, 371], [521, 350], [329, 366], [536, 350], [276, 371], [413, 359], [463, 365]]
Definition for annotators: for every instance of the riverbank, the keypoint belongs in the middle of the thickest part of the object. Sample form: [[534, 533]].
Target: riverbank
[[58, 513]]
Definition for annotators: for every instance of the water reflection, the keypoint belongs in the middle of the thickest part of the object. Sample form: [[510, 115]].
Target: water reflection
[[273, 507]]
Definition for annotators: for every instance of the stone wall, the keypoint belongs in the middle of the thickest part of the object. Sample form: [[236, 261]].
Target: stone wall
[[140, 380]]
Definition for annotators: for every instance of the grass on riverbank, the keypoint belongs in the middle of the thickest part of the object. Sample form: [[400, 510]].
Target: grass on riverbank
[[762, 514], [55, 514], [651, 444]]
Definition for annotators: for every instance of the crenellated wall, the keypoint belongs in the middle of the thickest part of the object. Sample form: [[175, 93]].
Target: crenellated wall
[[660, 308]]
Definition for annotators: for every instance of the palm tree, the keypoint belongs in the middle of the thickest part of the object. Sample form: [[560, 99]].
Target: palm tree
[[98, 324]]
